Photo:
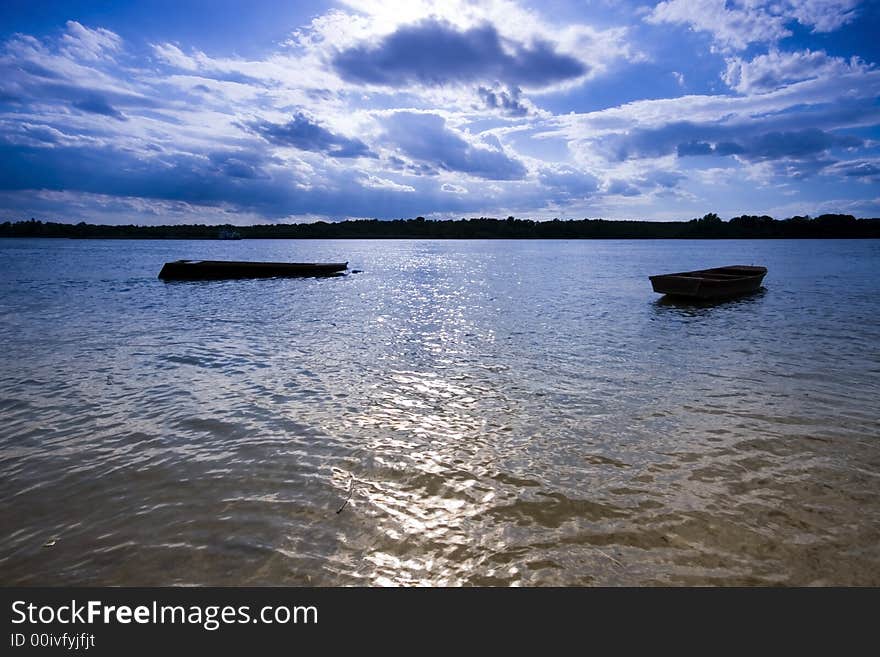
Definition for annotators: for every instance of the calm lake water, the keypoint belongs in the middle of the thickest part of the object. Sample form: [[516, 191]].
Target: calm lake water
[[495, 413]]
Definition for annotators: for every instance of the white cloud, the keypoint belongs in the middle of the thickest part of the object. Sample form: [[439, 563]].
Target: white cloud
[[174, 56], [824, 15], [186, 113], [776, 69], [381, 183], [734, 24], [84, 43], [836, 92]]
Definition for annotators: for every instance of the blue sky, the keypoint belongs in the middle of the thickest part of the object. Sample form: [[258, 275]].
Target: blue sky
[[231, 112]]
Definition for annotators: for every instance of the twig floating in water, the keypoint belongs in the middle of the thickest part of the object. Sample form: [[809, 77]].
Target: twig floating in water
[[350, 491], [608, 556]]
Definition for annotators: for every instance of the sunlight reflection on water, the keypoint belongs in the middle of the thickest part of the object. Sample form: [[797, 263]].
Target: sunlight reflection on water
[[503, 413]]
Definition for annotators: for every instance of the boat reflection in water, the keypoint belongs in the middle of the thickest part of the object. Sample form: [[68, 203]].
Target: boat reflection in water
[[690, 306]]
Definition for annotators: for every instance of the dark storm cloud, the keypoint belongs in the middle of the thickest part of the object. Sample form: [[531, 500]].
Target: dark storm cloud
[[306, 135], [435, 53], [425, 137]]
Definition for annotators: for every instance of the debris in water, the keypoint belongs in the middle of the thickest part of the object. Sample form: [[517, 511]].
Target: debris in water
[[350, 491]]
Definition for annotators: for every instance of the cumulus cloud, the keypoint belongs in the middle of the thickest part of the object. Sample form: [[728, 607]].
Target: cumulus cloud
[[426, 138], [303, 133], [507, 101], [775, 69], [823, 15], [436, 53], [734, 24]]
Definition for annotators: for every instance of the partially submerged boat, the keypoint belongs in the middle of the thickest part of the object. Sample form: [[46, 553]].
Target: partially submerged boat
[[717, 283], [197, 270]]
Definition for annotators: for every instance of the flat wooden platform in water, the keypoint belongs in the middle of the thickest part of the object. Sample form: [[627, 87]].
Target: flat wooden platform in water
[[717, 283], [193, 270]]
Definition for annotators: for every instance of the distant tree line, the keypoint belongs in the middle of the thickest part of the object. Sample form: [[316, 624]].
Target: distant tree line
[[710, 226]]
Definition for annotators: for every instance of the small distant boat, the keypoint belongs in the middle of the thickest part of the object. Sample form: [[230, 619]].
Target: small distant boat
[[197, 270], [717, 283]]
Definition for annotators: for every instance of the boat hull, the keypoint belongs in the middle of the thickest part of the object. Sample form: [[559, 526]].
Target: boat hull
[[200, 270], [718, 283]]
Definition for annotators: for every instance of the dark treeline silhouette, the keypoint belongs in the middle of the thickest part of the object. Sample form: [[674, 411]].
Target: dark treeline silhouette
[[711, 226]]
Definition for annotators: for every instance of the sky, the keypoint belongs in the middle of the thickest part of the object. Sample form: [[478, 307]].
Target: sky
[[176, 112]]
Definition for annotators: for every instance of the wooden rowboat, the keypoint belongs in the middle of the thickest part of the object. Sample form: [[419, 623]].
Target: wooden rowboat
[[717, 283], [196, 270]]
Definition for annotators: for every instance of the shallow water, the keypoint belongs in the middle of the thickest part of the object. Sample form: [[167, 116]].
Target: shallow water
[[484, 412]]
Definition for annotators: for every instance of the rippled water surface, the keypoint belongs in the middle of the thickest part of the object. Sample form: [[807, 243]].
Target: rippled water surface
[[493, 412]]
